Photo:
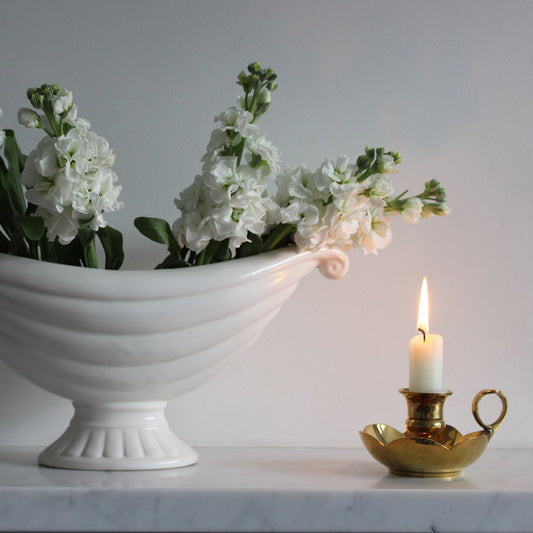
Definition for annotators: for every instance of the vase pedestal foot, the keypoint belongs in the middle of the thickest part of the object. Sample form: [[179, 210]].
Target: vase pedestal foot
[[118, 436]]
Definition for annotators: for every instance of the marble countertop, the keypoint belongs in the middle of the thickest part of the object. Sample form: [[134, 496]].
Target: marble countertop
[[267, 489]]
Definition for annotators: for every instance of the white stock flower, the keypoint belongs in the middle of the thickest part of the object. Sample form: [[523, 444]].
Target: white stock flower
[[226, 202], [323, 218], [72, 118], [412, 210], [381, 185], [215, 146], [337, 177], [236, 119], [300, 183], [192, 230], [264, 96], [28, 117], [385, 164], [62, 102], [374, 231], [270, 154], [70, 180]]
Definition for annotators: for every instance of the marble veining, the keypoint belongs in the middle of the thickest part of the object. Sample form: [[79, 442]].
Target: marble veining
[[258, 489]]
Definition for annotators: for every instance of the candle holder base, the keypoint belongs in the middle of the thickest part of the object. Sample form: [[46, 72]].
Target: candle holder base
[[429, 447]]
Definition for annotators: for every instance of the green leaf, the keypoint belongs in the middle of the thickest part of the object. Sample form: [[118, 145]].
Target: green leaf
[[279, 237], [208, 254], [4, 243], [47, 250], [18, 245], [12, 183], [222, 252], [7, 221], [111, 240], [65, 254], [172, 262], [33, 227], [158, 230], [253, 247], [88, 250]]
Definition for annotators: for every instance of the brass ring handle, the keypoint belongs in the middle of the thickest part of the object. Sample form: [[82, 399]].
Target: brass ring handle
[[490, 428]]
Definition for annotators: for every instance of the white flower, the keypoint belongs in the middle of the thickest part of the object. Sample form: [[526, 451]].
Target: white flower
[[299, 212], [72, 118], [381, 185], [192, 231], [337, 177], [222, 181], [374, 231], [264, 96], [412, 210], [62, 102], [28, 117], [385, 164], [215, 146], [270, 154], [311, 233], [69, 179], [226, 202], [236, 119], [375, 235], [189, 197], [300, 183]]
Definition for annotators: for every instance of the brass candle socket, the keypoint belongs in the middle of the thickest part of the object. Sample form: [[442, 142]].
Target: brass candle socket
[[429, 447]]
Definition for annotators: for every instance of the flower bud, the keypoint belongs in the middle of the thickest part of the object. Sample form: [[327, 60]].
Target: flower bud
[[441, 210], [254, 68], [412, 209], [435, 209], [384, 164], [397, 157], [35, 97], [29, 118], [264, 97]]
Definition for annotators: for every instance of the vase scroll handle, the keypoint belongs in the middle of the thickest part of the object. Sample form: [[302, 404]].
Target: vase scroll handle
[[489, 428], [332, 263]]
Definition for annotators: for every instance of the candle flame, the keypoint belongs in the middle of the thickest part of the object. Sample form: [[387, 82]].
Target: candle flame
[[423, 309]]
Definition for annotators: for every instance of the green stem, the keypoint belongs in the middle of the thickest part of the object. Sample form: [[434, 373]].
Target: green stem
[[47, 250], [208, 253], [239, 151], [277, 235], [33, 247], [90, 258], [366, 174]]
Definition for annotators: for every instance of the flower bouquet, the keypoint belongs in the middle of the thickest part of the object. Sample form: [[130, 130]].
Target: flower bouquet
[[53, 201], [121, 344]]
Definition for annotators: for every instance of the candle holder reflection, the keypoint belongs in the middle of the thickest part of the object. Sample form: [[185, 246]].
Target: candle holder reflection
[[429, 447]]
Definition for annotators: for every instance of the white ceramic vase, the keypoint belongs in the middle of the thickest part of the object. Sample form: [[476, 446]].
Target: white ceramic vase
[[119, 344]]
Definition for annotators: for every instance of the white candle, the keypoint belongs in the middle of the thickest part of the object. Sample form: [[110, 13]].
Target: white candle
[[425, 352]]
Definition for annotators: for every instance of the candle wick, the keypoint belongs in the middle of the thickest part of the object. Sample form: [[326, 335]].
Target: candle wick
[[423, 333]]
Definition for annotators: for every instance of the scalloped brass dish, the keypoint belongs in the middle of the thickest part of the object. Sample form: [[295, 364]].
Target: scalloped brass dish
[[429, 447]]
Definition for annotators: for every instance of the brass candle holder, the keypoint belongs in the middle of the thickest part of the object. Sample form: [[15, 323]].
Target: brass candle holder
[[429, 447]]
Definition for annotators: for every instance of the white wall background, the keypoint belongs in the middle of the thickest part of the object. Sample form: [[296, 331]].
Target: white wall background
[[448, 84]]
